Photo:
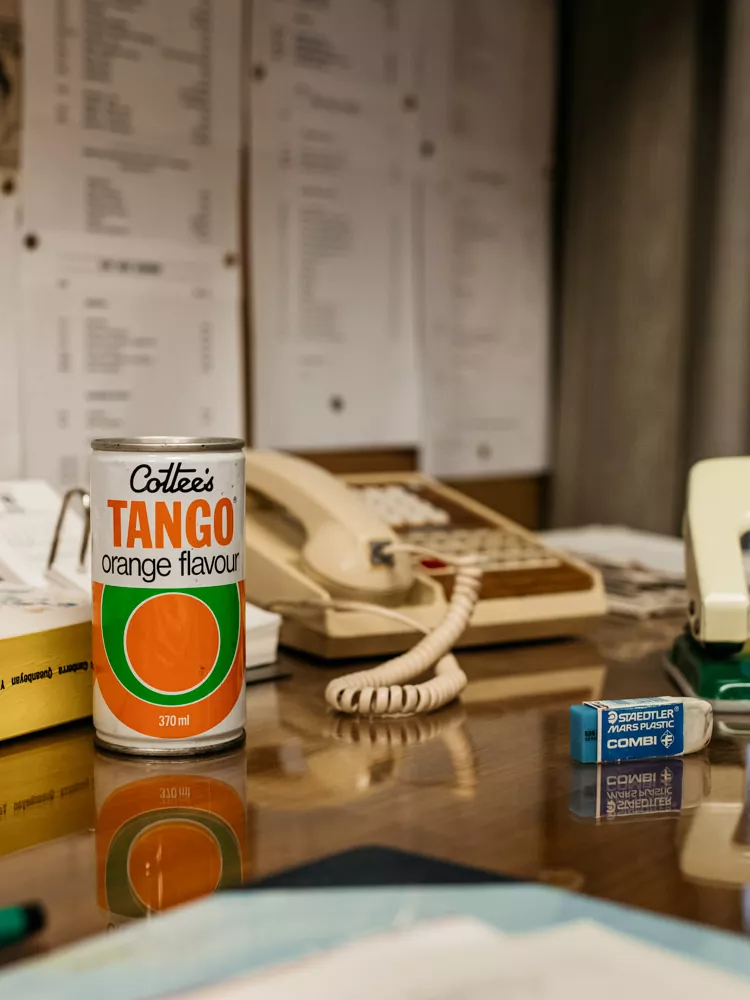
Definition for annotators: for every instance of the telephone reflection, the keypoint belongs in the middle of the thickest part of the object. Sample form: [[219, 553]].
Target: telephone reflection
[[324, 551], [307, 759]]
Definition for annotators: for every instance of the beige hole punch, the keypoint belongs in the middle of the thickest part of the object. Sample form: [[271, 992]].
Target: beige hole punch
[[708, 659]]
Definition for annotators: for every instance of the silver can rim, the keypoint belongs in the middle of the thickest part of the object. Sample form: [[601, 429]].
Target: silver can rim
[[175, 444]]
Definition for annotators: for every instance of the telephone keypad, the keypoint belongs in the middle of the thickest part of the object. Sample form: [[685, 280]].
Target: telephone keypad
[[424, 520]]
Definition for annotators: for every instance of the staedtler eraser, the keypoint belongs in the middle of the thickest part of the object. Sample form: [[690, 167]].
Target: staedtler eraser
[[638, 728]]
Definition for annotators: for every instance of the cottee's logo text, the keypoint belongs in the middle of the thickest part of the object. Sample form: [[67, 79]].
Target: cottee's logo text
[[174, 479]]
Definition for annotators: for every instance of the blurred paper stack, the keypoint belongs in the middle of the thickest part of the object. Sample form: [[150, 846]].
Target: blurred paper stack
[[644, 573], [261, 638]]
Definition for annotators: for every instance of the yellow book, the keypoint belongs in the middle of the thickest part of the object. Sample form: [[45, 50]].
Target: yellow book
[[45, 660]]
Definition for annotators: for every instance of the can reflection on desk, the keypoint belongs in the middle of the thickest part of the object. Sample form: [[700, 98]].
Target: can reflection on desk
[[167, 831]]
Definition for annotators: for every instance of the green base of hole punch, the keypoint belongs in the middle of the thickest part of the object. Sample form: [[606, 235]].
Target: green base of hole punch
[[721, 675]]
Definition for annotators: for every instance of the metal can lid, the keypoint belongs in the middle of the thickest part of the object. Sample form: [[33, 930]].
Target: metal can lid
[[176, 444]]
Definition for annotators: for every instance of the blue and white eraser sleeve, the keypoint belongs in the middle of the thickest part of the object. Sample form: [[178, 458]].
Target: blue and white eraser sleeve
[[639, 728]]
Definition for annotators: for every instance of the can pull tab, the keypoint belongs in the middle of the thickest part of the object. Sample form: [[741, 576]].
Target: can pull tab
[[85, 498]]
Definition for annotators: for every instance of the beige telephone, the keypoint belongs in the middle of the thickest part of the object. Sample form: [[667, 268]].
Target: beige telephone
[[363, 567]]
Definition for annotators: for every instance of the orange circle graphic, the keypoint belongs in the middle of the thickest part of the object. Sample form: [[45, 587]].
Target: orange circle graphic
[[172, 642], [172, 863]]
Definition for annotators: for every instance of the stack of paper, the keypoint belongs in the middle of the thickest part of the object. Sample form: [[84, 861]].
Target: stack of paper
[[261, 636], [644, 573], [462, 957]]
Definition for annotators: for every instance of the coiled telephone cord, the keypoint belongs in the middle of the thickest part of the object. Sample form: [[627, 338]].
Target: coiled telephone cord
[[383, 690]]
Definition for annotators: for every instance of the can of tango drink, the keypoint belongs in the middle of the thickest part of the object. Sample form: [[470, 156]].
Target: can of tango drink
[[167, 523]]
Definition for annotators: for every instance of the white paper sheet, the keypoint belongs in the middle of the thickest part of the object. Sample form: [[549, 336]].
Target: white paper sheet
[[584, 958], [462, 958], [261, 637], [334, 350], [24, 612], [407, 963], [10, 422], [129, 287], [486, 98], [29, 511]]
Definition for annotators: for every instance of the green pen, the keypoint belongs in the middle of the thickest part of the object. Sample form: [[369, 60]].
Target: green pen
[[19, 922]]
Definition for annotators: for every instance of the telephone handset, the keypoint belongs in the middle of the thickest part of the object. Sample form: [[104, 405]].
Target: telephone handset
[[343, 538]]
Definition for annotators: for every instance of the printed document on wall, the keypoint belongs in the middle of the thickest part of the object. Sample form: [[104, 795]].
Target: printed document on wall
[[133, 344], [486, 323], [129, 281], [334, 351], [137, 107], [486, 75], [485, 234]]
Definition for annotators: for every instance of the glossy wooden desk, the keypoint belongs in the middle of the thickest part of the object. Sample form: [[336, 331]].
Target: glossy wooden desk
[[486, 783]]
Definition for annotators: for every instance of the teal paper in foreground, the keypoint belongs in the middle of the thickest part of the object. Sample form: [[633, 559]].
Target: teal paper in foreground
[[239, 931]]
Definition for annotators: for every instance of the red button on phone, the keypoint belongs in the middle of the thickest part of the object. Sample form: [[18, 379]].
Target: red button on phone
[[433, 564]]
